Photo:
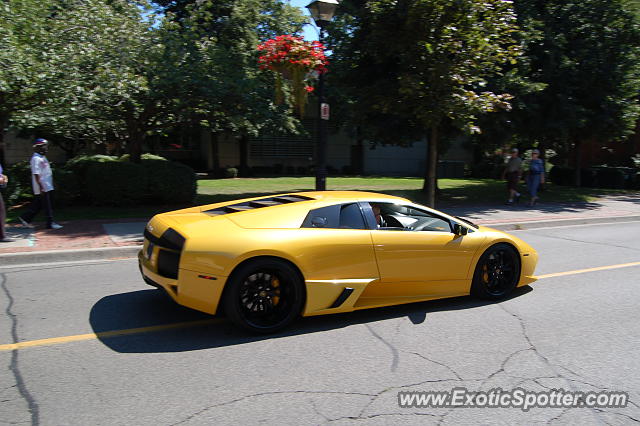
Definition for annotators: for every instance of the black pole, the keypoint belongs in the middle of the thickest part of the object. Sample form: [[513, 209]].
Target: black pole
[[321, 154]]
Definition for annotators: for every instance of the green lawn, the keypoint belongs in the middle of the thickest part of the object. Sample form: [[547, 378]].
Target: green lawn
[[452, 192]]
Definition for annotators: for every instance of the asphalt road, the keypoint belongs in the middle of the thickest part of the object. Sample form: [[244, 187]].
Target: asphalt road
[[575, 332]]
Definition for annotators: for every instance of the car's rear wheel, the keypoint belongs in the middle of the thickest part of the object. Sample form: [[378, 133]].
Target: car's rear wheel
[[264, 295], [497, 272]]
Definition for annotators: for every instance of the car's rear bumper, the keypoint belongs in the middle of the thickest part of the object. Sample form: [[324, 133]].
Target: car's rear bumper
[[191, 289]]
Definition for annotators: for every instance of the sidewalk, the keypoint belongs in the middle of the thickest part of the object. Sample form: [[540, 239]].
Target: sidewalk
[[123, 237]]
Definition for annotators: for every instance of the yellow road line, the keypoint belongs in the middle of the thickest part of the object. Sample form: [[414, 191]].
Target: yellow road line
[[140, 330], [104, 334], [582, 271]]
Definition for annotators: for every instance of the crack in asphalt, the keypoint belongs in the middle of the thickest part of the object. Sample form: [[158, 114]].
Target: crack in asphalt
[[455, 373], [242, 398], [633, 419], [551, 365], [394, 351], [557, 418], [373, 416], [14, 366]]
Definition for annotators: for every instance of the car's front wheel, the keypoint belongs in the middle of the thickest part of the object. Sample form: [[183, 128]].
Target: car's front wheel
[[497, 272], [264, 295]]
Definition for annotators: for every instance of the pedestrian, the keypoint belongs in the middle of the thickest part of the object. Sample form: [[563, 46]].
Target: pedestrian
[[512, 173], [3, 213], [535, 176], [42, 182]]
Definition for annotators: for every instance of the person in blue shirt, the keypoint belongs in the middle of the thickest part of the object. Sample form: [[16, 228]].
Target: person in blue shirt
[[535, 177]]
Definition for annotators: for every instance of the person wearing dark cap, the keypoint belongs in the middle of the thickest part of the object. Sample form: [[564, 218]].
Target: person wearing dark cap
[[513, 173], [42, 182], [535, 176]]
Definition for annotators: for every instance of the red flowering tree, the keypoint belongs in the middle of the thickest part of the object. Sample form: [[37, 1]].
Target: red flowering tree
[[293, 59]]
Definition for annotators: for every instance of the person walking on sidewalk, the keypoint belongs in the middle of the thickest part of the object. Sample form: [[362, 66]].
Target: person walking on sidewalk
[[3, 213], [513, 173], [535, 176], [42, 181]]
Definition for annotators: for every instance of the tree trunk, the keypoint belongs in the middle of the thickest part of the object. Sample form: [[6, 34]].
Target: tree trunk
[[430, 180], [135, 143], [357, 154], [215, 154], [578, 154], [4, 119], [244, 155]]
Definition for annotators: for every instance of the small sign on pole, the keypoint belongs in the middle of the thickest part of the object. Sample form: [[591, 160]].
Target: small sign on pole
[[324, 111]]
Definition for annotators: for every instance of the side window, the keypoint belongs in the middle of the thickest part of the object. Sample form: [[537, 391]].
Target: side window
[[351, 217], [324, 217], [347, 216], [391, 216]]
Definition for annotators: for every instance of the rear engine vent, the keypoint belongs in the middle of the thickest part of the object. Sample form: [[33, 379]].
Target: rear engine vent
[[257, 204], [170, 239]]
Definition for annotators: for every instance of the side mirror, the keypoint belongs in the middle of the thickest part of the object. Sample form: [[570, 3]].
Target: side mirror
[[459, 229]]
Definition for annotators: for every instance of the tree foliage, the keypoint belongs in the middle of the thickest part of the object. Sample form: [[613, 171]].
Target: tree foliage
[[583, 56], [23, 35], [99, 66], [412, 66]]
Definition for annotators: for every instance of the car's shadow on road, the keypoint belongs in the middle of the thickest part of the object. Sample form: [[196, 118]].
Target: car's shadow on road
[[148, 308]]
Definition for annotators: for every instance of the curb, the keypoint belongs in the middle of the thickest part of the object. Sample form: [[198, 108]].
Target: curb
[[59, 256], [124, 252]]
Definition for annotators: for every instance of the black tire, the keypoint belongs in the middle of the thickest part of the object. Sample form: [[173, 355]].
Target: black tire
[[264, 295], [497, 272]]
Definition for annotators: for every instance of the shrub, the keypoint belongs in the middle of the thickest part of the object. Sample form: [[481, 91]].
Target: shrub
[[19, 187], [562, 175], [68, 189], [79, 165], [610, 177], [302, 170], [116, 183], [231, 172], [486, 170], [262, 170], [588, 178], [169, 182], [144, 157]]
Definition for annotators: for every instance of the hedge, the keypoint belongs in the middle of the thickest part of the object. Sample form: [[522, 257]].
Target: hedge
[[169, 182], [109, 180], [115, 183], [153, 181]]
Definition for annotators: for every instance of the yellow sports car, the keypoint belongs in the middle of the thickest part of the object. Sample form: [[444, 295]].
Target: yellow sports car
[[265, 261]]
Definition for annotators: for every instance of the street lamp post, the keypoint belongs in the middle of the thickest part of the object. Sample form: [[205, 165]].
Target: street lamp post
[[322, 12]]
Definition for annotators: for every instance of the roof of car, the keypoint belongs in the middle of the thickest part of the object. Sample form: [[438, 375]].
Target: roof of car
[[347, 195]]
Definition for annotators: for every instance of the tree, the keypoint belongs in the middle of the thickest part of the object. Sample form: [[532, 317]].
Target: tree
[[587, 57], [227, 90], [414, 66], [104, 76], [23, 36]]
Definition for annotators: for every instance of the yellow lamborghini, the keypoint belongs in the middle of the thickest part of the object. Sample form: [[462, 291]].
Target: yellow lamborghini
[[265, 261]]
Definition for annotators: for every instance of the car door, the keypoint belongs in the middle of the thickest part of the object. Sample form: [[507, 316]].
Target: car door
[[419, 255]]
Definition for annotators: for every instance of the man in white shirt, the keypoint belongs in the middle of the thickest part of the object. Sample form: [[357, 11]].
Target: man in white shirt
[[42, 181]]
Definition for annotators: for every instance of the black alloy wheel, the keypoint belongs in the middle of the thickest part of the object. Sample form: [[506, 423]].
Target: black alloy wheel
[[264, 295], [497, 272]]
